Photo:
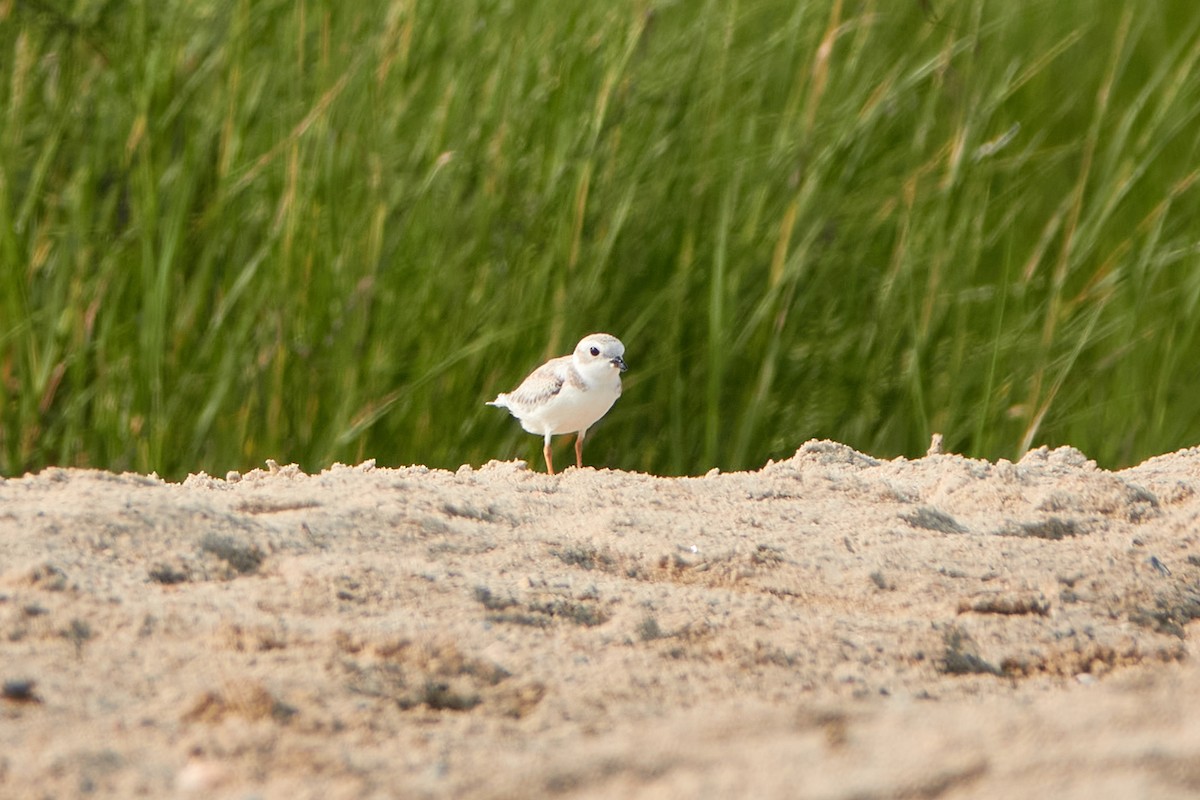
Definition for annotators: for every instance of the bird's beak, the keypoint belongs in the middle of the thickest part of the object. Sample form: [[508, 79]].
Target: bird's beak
[[619, 362]]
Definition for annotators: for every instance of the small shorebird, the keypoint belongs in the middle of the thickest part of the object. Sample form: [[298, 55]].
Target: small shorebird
[[568, 394]]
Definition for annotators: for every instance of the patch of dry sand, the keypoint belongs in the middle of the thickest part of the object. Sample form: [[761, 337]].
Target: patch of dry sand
[[831, 626]]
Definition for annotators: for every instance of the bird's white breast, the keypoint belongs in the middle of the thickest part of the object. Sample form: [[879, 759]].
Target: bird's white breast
[[573, 408]]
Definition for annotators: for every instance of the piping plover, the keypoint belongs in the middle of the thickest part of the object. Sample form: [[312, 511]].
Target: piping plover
[[568, 394]]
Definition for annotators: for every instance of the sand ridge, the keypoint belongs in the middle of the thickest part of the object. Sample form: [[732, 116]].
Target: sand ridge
[[831, 625]]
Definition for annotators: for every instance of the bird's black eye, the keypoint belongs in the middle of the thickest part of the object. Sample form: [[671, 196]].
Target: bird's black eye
[[595, 351]]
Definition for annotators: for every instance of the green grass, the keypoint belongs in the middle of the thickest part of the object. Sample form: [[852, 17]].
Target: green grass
[[325, 231]]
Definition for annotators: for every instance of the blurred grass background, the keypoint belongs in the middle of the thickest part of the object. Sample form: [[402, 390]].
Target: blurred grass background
[[320, 231]]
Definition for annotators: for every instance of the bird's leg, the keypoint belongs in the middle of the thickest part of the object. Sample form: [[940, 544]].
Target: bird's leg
[[546, 453], [579, 448]]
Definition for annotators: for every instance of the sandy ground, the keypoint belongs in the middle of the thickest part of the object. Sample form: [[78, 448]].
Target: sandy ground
[[831, 626]]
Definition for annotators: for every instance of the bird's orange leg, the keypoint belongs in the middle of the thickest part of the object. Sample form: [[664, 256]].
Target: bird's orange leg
[[579, 449], [549, 460]]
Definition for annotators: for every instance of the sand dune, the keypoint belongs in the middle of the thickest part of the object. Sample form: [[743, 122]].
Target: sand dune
[[830, 626]]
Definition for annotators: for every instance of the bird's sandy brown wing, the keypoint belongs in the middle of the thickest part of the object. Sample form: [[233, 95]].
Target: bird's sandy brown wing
[[544, 383]]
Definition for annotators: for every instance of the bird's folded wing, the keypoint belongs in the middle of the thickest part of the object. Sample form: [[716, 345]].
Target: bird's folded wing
[[542, 384]]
